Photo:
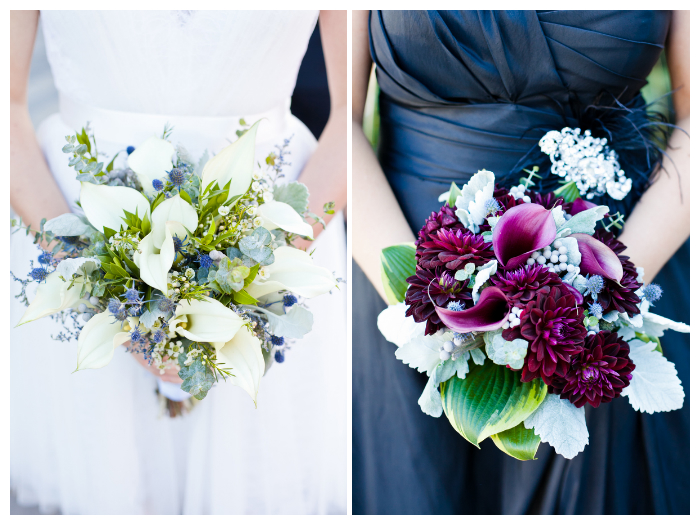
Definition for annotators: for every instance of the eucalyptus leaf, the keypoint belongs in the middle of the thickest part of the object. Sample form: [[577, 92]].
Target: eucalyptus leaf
[[489, 400], [197, 377], [296, 323]]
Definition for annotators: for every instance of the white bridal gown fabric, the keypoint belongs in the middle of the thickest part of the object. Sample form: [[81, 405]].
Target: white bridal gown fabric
[[93, 442]]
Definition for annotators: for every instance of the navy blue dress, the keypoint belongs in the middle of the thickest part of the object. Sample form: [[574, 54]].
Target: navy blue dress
[[469, 90]]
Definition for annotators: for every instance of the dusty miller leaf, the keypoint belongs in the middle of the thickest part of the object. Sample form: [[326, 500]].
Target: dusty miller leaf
[[558, 422]]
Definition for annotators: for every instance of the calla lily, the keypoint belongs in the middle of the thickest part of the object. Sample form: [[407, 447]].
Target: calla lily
[[152, 160], [520, 231], [233, 164], [281, 215], [52, 296], [490, 314], [294, 270], [242, 355], [175, 209], [155, 260], [597, 258], [580, 205], [206, 321], [104, 205], [98, 339]]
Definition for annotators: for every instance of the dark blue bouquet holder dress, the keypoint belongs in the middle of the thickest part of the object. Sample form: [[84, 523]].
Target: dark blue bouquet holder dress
[[468, 90]]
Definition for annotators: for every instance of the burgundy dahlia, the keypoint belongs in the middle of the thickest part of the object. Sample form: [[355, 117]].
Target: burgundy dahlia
[[553, 324], [445, 218], [521, 285], [546, 200], [599, 373], [453, 249], [622, 296], [442, 288]]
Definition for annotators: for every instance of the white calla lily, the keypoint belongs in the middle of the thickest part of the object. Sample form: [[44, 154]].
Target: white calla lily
[[294, 270], [52, 296], [152, 160], [281, 215], [242, 355], [104, 205], [174, 209], [155, 260], [234, 163], [206, 321], [98, 339]]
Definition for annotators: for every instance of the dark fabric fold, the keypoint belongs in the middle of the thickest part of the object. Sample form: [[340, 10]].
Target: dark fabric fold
[[468, 90]]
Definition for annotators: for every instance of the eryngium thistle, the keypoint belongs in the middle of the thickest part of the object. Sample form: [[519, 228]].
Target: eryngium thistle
[[441, 288], [598, 374], [453, 249], [553, 323]]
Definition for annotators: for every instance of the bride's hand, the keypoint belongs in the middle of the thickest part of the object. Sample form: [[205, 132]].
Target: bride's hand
[[170, 374]]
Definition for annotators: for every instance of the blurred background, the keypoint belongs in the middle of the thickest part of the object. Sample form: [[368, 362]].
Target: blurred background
[[310, 104]]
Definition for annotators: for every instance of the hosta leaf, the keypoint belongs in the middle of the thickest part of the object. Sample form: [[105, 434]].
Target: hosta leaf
[[490, 400], [398, 264], [518, 442]]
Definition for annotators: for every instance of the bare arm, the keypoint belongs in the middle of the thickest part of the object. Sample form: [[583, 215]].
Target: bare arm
[[325, 173], [660, 223], [34, 194], [377, 219]]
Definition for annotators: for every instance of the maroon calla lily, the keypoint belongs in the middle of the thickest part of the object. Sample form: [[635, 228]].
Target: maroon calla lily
[[580, 205], [489, 314], [520, 231], [597, 258]]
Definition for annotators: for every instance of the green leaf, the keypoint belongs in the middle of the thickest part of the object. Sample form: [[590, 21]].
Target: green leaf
[[185, 196], [197, 377], [145, 225], [518, 442], [454, 193], [490, 400], [109, 232], [110, 166], [398, 264], [295, 194], [569, 192], [251, 275], [244, 297], [159, 198]]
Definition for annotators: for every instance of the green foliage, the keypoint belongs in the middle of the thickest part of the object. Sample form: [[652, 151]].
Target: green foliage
[[490, 400], [295, 194], [256, 246], [519, 442], [569, 192], [398, 264], [454, 193], [231, 275], [197, 377]]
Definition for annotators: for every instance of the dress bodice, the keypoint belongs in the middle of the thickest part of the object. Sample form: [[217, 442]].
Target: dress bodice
[[462, 91], [199, 63]]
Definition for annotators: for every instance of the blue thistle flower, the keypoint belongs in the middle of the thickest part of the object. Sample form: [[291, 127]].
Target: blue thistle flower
[[130, 150], [121, 315], [177, 177], [136, 335], [279, 357], [166, 305], [135, 311], [179, 244], [492, 206], [133, 296], [596, 309], [289, 300], [455, 306], [204, 261], [157, 184], [45, 258], [652, 292], [114, 306], [277, 341], [158, 336], [594, 285], [39, 274]]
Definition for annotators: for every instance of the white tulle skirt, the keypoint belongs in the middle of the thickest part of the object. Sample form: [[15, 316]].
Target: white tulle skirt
[[93, 442]]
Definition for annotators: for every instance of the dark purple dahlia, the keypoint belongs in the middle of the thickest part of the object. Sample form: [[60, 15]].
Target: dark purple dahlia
[[453, 249], [442, 288], [553, 324], [521, 285], [546, 200], [445, 218], [622, 296], [598, 374]]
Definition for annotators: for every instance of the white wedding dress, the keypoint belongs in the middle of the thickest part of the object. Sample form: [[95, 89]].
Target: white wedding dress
[[93, 442]]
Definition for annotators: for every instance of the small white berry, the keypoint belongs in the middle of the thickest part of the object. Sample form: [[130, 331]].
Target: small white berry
[[448, 346], [541, 260], [554, 258], [570, 267], [563, 250], [563, 258], [557, 244], [444, 355], [530, 261], [527, 199]]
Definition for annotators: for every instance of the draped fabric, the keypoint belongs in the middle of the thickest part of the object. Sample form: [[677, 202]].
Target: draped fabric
[[469, 90]]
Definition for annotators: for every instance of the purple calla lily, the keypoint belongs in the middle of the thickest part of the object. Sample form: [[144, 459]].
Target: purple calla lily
[[489, 314], [580, 205], [520, 231], [597, 258]]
